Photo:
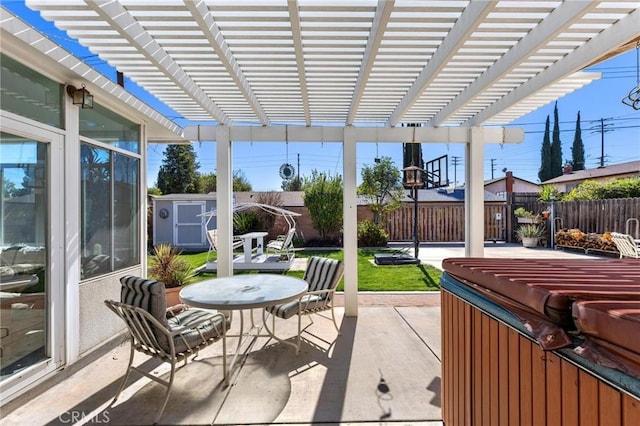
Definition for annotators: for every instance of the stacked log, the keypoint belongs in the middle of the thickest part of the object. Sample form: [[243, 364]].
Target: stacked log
[[591, 241]]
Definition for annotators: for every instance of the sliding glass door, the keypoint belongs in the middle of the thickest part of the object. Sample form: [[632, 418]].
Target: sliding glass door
[[29, 285]]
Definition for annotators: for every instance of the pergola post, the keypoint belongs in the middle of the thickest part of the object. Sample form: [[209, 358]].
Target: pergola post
[[350, 222], [474, 194], [224, 201]]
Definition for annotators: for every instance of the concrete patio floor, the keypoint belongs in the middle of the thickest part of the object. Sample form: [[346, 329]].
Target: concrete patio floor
[[394, 340], [332, 380]]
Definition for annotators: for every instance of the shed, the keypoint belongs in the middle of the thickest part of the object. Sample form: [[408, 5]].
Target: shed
[[178, 220]]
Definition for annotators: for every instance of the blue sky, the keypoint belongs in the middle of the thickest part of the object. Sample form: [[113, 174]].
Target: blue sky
[[260, 162]]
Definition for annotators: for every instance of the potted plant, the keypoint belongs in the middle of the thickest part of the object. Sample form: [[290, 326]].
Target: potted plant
[[167, 266], [530, 234], [525, 216]]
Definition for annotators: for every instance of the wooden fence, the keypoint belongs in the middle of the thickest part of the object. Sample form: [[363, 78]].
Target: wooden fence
[[599, 216], [444, 223]]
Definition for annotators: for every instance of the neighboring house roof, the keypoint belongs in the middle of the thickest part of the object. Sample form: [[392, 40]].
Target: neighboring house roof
[[442, 195], [490, 181], [600, 172], [287, 198]]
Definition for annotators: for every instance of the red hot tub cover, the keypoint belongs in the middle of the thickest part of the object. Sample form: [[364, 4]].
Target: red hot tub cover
[[549, 287]]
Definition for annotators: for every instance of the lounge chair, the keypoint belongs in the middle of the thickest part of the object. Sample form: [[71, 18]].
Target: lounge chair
[[283, 244], [626, 245], [322, 275], [170, 335]]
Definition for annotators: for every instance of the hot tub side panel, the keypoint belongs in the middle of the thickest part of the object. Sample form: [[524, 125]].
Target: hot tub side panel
[[494, 374]]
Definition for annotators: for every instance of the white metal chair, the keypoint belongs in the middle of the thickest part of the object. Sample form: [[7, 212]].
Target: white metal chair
[[626, 245], [323, 275], [212, 237], [283, 243], [170, 335]]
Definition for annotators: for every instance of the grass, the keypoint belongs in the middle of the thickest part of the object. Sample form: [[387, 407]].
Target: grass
[[371, 277]]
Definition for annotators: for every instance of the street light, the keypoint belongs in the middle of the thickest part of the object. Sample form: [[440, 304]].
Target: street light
[[412, 180]]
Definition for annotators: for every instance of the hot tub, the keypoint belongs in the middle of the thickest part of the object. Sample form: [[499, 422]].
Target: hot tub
[[541, 341]]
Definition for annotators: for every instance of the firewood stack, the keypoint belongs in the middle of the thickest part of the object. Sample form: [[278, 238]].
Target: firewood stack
[[591, 241]]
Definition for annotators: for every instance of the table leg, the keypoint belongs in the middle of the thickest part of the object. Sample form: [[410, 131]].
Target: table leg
[[247, 250]]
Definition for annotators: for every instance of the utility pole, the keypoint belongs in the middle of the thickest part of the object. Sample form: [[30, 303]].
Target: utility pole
[[603, 128], [455, 160], [493, 166], [602, 142], [298, 169]]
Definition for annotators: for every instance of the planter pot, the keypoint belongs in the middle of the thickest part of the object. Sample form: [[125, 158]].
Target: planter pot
[[530, 242], [172, 296]]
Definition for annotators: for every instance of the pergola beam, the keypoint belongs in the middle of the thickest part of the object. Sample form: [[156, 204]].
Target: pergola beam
[[360, 134], [616, 35], [121, 20], [296, 35], [212, 32], [560, 19], [378, 27], [468, 22]]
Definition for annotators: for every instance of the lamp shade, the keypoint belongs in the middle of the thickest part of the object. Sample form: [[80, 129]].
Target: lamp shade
[[412, 177], [81, 96]]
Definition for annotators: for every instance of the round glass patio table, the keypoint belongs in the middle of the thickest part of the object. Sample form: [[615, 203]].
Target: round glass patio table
[[246, 291]]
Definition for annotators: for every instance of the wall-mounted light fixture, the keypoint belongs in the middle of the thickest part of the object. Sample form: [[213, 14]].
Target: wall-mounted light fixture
[[81, 96]]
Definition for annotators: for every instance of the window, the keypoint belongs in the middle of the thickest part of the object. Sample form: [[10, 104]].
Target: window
[[109, 208], [106, 126], [29, 94]]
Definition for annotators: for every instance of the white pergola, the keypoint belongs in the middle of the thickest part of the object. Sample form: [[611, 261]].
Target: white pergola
[[351, 71]]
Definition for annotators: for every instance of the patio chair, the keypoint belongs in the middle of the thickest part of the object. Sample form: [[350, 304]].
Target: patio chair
[[212, 237], [171, 335], [283, 244], [322, 275], [626, 245]]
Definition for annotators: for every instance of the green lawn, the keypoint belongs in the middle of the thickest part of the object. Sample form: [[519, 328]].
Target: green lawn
[[371, 277]]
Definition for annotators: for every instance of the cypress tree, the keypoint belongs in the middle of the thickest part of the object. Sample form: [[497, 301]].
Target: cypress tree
[[577, 150], [178, 173], [556, 146], [545, 155]]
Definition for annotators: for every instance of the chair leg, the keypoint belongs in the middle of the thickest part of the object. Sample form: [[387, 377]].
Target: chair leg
[[335, 324], [126, 375], [299, 332], [225, 372], [166, 398]]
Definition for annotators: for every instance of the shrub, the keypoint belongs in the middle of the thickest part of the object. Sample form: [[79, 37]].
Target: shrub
[[371, 235], [245, 222], [547, 192], [167, 266], [522, 212], [592, 190], [530, 231]]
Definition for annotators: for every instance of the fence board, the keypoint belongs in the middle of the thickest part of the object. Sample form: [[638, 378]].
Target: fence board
[[442, 223], [597, 216]]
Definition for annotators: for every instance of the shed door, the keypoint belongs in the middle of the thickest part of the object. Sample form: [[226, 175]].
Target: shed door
[[189, 227]]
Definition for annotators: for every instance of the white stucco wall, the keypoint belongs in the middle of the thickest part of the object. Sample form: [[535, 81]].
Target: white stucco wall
[[97, 323]]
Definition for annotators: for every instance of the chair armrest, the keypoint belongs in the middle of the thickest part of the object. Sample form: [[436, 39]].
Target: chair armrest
[[320, 292], [172, 311]]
